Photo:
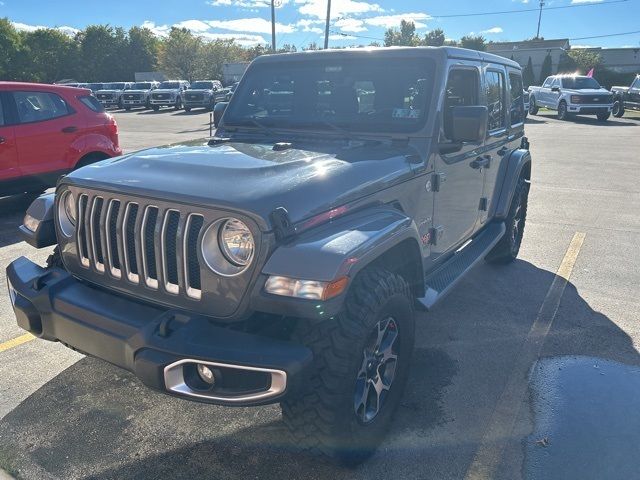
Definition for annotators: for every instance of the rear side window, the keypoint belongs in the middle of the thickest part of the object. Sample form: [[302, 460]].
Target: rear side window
[[495, 99], [40, 106], [517, 98], [91, 103], [463, 87]]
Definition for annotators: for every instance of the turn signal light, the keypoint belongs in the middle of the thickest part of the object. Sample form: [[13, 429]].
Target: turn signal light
[[308, 289]]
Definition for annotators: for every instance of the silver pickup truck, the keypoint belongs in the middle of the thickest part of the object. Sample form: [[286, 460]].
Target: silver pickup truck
[[571, 95]]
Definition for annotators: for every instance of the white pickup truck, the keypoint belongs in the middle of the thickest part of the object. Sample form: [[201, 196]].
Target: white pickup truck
[[571, 95]]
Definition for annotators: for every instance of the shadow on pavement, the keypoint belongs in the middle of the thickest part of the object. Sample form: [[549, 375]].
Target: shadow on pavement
[[12, 210], [96, 421]]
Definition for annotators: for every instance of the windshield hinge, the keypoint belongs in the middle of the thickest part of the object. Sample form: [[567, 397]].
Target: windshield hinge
[[281, 223]]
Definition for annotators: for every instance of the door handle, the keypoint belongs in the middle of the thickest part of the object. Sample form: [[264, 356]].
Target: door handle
[[480, 162], [71, 129]]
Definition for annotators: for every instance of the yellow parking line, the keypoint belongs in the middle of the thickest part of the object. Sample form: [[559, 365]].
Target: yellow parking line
[[14, 342], [489, 453]]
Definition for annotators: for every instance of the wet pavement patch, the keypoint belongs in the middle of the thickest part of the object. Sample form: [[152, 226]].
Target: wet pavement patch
[[587, 420]]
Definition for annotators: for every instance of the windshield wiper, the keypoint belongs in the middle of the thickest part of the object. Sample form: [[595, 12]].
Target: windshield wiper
[[253, 121]]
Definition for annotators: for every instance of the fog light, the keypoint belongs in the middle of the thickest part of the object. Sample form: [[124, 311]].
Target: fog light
[[206, 374], [31, 223]]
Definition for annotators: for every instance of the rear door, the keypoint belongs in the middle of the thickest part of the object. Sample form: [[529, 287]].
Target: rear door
[[46, 130], [9, 168], [456, 202]]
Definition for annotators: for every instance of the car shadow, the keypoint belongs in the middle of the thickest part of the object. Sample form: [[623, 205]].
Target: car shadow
[[96, 421], [12, 210], [198, 111], [534, 120]]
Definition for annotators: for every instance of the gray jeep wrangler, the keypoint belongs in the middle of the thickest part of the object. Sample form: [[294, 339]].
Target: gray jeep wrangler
[[281, 261]]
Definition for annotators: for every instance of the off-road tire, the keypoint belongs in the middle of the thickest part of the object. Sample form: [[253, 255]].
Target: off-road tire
[[321, 416], [603, 117], [55, 259], [533, 107], [618, 108], [562, 113], [506, 250]]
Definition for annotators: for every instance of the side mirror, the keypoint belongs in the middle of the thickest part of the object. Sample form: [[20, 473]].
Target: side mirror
[[555, 89], [468, 124], [218, 111]]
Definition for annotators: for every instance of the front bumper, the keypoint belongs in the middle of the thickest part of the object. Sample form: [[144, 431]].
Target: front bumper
[[198, 103], [141, 102], [108, 102], [589, 109], [161, 347], [165, 102]]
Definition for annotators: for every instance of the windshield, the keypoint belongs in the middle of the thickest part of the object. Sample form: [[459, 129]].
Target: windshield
[[374, 95], [169, 85], [95, 86], [580, 83], [141, 86], [202, 85], [114, 86]]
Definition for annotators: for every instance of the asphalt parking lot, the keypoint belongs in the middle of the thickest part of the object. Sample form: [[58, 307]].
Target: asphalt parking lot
[[525, 371]]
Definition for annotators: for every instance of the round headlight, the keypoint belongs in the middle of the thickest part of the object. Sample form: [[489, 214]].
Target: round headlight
[[67, 213], [228, 246], [236, 242]]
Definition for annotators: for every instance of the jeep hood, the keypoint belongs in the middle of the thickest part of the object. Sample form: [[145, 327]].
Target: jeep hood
[[253, 178]]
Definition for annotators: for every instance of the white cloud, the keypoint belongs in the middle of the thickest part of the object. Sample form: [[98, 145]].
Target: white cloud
[[246, 3], [493, 30], [339, 8], [193, 25], [574, 2], [393, 21], [32, 28], [159, 30], [244, 39], [250, 25], [350, 25], [306, 25]]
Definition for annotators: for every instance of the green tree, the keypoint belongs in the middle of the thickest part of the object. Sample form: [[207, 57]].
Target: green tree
[[213, 55], [546, 68], [434, 38], [143, 49], [51, 55], [181, 55], [474, 42], [10, 50], [585, 60], [405, 36], [101, 50], [528, 77]]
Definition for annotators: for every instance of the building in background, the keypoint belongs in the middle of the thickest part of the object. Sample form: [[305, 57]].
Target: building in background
[[537, 50], [618, 60], [232, 72]]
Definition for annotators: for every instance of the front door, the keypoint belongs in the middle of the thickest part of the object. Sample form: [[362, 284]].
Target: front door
[[460, 172], [8, 153]]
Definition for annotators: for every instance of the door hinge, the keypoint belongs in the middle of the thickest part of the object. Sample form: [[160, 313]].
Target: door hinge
[[483, 204], [437, 179], [435, 234]]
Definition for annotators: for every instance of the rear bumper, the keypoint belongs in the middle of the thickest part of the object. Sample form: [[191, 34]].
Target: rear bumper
[[161, 347]]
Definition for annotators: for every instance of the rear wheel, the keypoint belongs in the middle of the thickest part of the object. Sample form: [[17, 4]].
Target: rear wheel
[[533, 107], [360, 366], [618, 108], [506, 250]]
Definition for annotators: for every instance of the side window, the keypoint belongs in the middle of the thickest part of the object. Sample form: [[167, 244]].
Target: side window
[[495, 99], [91, 103], [463, 87], [40, 106], [547, 82], [556, 82], [517, 99]]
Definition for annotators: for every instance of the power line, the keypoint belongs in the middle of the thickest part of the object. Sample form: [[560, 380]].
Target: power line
[[607, 35]]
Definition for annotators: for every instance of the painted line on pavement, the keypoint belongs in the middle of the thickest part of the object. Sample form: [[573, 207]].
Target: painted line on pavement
[[14, 342], [489, 454]]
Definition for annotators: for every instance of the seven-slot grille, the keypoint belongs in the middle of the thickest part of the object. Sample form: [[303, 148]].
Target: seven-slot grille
[[142, 243]]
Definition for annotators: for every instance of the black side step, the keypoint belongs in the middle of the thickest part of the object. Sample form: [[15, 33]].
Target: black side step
[[444, 278]]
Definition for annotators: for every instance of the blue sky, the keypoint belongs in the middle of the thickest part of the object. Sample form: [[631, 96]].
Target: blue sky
[[302, 21]]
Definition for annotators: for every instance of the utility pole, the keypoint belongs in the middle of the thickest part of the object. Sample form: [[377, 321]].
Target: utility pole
[[326, 28], [273, 26], [539, 18]]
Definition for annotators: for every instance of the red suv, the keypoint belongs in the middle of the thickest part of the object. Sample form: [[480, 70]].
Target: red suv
[[49, 130]]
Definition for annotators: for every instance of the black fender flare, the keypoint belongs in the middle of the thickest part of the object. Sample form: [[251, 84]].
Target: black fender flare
[[518, 162]]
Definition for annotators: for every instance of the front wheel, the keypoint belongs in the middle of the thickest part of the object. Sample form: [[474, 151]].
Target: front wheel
[[156, 108], [562, 111], [360, 366], [178, 104], [533, 107], [603, 117], [506, 250], [187, 109], [618, 109]]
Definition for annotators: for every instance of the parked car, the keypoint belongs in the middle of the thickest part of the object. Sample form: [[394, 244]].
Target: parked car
[[169, 94], [626, 98], [204, 94], [111, 94], [571, 95], [285, 264], [47, 131], [526, 97], [138, 95], [94, 87]]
